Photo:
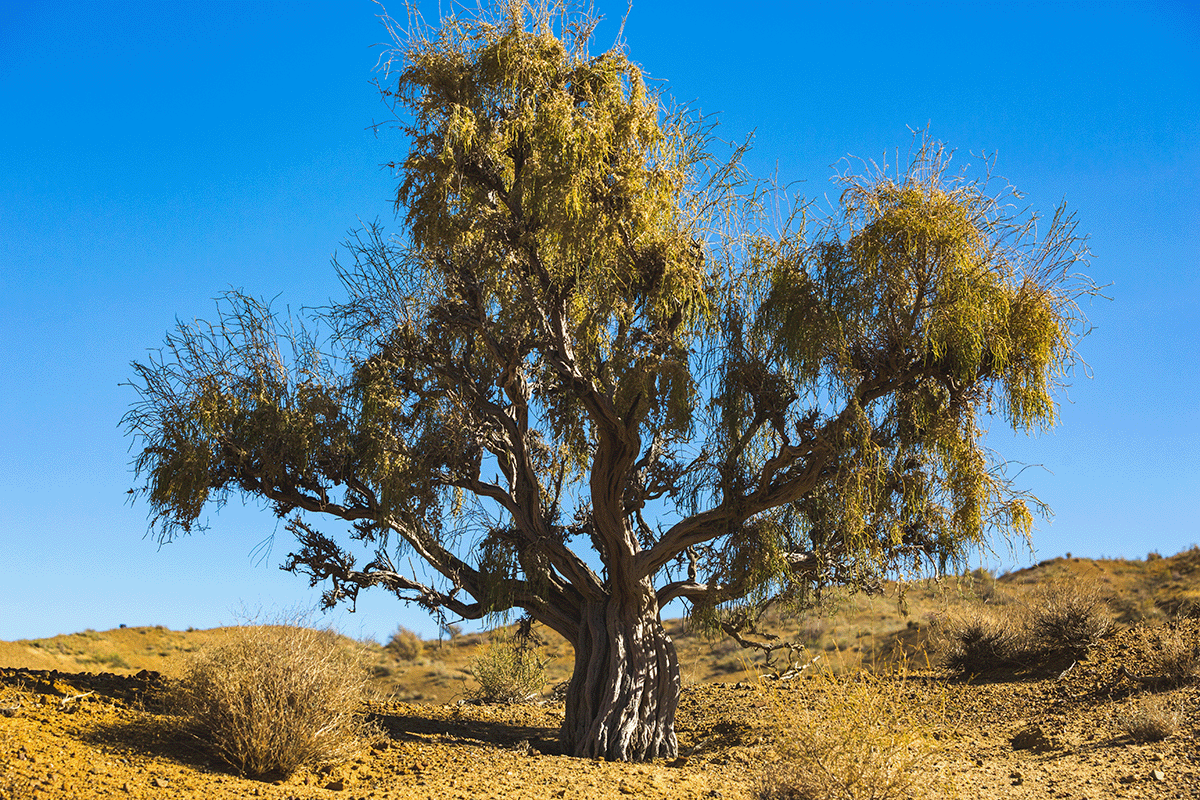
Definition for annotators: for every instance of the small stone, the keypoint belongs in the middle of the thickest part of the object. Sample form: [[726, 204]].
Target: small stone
[[1158, 775], [336, 786], [160, 783]]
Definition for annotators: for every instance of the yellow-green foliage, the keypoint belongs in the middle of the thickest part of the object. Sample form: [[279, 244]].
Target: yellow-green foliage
[[508, 670], [866, 737], [588, 322], [921, 305], [561, 180], [514, 125]]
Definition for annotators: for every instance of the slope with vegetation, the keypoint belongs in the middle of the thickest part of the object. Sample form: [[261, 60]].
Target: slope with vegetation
[[1111, 715]]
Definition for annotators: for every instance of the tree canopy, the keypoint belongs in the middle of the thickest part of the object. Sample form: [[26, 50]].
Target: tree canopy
[[592, 375]]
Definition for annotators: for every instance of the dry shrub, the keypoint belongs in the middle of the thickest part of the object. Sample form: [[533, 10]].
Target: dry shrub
[[1068, 618], [1060, 619], [975, 640], [508, 670], [405, 645], [1152, 719], [870, 737], [269, 698], [1173, 653]]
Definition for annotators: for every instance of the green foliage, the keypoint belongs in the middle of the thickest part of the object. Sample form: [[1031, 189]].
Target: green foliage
[[919, 305], [508, 670]]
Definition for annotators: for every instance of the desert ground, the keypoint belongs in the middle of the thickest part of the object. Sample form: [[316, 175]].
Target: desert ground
[[81, 715]]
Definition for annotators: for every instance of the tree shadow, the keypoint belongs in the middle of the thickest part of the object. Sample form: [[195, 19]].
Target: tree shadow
[[468, 730]]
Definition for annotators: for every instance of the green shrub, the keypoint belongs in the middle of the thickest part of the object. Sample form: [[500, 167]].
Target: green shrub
[[270, 698], [508, 670]]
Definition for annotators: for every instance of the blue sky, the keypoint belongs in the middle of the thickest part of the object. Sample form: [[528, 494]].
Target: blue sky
[[153, 155]]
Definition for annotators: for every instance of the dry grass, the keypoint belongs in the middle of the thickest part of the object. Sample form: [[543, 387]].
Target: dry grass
[[271, 698], [508, 670], [975, 640], [871, 737], [1062, 619], [1173, 653], [1068, 618], [405, 645], [1152, 719]]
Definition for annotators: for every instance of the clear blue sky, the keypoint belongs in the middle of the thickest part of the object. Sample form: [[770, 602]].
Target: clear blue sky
[[153, 155]]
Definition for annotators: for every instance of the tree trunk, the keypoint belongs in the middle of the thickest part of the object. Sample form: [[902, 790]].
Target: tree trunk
[[623, 695]]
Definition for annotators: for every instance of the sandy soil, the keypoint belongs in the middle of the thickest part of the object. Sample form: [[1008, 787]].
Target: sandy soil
[[80, 735]]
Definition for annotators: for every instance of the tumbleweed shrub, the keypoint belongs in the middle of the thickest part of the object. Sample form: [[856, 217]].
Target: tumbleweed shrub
[[866, 736], [1067, 618], [1152, 719], [405, 645], [1173, 652], [508, 670], [267, 699], [976, 639]]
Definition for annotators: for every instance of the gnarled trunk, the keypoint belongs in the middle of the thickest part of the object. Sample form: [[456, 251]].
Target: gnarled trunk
[[623, 695]]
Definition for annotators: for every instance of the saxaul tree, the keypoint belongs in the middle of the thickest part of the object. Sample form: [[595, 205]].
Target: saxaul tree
[[587, 378]]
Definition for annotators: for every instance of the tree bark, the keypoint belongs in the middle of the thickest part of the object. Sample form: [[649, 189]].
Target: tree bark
[[622, 698]]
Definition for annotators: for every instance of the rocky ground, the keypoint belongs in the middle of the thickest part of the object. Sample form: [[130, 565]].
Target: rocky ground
[[1011, 735]]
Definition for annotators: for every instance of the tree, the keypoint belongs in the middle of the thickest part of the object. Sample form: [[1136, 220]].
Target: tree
[[589, 380]]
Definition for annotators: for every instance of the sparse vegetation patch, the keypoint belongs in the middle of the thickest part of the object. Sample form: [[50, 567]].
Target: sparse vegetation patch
[[509, 670], [1068, 617], [865, 738], [405, 645], [271, 698], [1152, 719]]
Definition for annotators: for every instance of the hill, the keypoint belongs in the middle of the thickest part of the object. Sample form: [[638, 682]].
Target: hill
[[79, 716]]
